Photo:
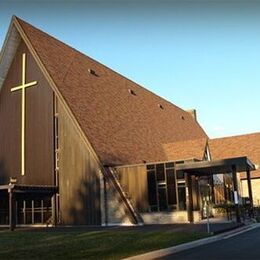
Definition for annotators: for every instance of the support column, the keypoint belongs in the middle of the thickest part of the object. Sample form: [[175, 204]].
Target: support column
[[250, 194], [234, 177], [24, 211], [32, 211], [106, 201], [212, 189], [53, 210], [176, 188], [12, 216], [42, 221], [103, 207], [189, 200]]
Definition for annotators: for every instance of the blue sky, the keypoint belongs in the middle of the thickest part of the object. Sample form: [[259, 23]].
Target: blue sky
[[196, 54]]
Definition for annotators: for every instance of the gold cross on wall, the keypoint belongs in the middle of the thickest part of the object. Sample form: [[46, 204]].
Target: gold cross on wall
[[22, 87]]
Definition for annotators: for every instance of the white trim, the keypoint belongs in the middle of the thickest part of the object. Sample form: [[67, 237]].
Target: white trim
[[158, 162]]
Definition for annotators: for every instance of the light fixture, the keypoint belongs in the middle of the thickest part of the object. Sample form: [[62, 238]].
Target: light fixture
[[13, 180]]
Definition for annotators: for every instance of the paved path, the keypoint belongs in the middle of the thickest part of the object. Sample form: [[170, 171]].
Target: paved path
[[200, 228], [244, 246]]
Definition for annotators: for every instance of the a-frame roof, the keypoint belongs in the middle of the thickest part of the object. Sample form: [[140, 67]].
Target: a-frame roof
[[124, 122]]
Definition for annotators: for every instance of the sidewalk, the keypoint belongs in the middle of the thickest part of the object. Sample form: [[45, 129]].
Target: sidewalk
[[216, 226]]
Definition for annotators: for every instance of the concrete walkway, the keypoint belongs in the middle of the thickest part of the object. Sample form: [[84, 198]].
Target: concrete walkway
[[215, 227]]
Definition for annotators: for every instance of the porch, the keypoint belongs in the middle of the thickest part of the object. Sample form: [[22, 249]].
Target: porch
[[27, 205], [231, 166]]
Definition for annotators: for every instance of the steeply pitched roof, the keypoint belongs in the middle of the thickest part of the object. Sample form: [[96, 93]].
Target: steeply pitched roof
[[125, 123], [236, 146], [184, 150]]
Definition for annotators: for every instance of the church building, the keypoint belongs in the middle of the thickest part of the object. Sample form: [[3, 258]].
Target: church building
[[82, 145]]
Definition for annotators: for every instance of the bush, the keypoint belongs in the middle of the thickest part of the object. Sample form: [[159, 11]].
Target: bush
[[224, 207]]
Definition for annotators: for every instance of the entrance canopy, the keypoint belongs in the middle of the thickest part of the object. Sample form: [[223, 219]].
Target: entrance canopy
[[16, 191], [208, 168], [241, 164]]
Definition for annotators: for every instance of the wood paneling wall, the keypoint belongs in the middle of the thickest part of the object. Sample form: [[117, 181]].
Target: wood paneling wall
[[78, 171], [78, 176], [134, 181], [39, 125]]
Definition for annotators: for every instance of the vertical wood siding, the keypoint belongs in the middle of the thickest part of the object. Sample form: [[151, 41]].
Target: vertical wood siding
[[134, 181], [39, 125], [78, 176]]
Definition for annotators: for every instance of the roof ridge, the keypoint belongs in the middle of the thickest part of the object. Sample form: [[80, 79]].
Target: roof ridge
[[234, 136]]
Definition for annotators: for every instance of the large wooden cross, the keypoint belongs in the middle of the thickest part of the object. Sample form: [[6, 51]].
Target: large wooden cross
[[22, 87]]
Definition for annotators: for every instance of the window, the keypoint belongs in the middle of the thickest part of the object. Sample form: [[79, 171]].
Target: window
[[171, 187], [160, 175], [150, 167], [152, 190], [182, 196], [161, 187], [162, 197], [169, 165], [180, 175]]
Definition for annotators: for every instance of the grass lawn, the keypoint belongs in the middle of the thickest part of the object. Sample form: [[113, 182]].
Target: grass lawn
[[86, 245]]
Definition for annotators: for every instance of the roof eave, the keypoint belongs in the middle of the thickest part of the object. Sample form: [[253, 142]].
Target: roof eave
[[10, 45]]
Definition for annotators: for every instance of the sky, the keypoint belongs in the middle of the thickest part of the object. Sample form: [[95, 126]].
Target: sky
[[196, 54]]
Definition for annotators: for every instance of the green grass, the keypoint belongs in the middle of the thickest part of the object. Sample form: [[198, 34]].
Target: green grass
[[86, 245]]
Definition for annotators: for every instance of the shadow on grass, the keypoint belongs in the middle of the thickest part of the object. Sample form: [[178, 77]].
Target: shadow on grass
[[90, 245]]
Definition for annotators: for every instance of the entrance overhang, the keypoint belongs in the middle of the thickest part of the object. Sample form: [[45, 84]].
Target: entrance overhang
[[14, 190], [209, 168], [242, 164], [30, 189]]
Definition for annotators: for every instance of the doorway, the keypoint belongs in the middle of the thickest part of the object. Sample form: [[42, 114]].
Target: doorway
[[206, 201]]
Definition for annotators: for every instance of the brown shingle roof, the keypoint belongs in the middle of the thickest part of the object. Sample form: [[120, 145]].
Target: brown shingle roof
[[123, 128], [236, 146], [190, 149]]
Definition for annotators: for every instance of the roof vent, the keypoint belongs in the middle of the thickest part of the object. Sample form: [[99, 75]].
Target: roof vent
[[131, 92], [92, 72], [160, 106]]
